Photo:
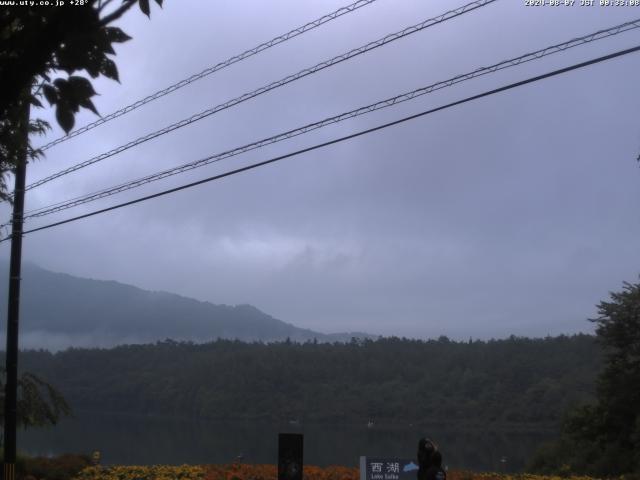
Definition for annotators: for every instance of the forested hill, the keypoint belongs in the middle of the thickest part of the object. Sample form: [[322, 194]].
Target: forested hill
[[512, 381], [59, 310]]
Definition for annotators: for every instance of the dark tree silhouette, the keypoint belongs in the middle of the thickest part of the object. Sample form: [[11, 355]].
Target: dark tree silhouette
[[39, 403], [515, 382], [42, 48], [603, 438]]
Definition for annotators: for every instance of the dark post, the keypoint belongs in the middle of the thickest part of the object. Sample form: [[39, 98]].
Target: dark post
[[11, 365], [290, 449]]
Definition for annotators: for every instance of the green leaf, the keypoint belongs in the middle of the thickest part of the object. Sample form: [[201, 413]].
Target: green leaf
[[65, 117], [35, 102], [102, 42], [50, 93], [88, 104], [76, 51], [39, 126], [159, 2], [93, 63], [116, 35], [108, 69], [144, 6], [73, 93], [80, 88], [107, 48]]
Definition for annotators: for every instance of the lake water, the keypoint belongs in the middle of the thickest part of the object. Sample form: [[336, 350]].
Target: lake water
[[125, 439]]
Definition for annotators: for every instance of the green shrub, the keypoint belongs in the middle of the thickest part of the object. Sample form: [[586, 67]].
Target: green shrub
[[63, 467]]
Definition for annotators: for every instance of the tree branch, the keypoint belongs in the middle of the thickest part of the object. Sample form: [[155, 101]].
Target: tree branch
[[103, 4], [116, 14]]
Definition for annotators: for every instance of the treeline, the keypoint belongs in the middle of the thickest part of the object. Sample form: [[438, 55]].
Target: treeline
[[515, 381], [602, 439]]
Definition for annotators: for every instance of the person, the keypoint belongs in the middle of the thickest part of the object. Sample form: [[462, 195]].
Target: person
[[435, 471], [426, 449]]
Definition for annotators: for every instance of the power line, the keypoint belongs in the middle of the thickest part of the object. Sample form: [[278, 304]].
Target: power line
[[264, 89], [208, 71], [341, 139], [70, 203]]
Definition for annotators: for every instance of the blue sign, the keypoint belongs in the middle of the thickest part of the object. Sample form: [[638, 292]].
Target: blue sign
[[377, 468]]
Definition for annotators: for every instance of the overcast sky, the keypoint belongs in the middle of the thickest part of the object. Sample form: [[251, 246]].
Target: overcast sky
[[514, 214]]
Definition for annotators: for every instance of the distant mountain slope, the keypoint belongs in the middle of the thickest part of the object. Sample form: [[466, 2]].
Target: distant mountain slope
[[60, 310]]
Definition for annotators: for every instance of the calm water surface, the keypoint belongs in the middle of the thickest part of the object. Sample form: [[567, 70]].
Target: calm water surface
[[126, 439]]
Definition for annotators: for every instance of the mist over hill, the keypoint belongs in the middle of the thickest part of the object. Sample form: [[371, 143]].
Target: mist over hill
[[58, 310], [513, 381]]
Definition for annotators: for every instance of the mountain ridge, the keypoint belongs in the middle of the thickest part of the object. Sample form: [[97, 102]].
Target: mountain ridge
[[60, 310]]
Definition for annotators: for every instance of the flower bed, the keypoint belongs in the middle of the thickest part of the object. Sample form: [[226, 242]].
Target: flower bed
[[270, 472], [154, 472], [265, 472]]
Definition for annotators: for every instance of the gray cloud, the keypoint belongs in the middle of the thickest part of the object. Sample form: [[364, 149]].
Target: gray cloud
[[513, 214]]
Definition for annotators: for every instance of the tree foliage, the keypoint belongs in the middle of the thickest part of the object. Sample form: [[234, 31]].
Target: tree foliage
[[42, 52], [517, 381], [603, 438], [39, 404], [49, 53]]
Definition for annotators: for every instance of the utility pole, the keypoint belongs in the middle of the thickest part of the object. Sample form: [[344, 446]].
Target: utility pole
[[13, 314]]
